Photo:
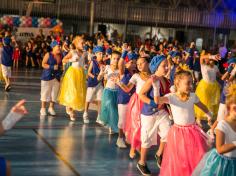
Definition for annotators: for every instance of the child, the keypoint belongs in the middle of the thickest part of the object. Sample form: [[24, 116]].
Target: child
[[73, 87], [222, 160], [109, 109], [186, 142], [175, 59], [94, 83], [16, 57], [50, 79], [154, 118], [6, 60], [133, 121], [228, 77], [1, 48], [208, 90], [14, 116], [127, 67]]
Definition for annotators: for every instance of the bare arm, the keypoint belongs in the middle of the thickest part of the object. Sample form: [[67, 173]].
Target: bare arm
[[67, 57], [102, 74], [127, 88], [121, 66], [225, 76], [142, 94], [203, 59], [90, 70], [45, 60], [202, 107], [147, 86], [221, 147]]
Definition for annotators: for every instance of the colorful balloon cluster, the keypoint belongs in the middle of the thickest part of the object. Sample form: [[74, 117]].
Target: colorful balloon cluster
[[25, 21]]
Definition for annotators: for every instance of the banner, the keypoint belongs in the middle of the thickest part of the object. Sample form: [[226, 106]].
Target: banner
[[23, 34]]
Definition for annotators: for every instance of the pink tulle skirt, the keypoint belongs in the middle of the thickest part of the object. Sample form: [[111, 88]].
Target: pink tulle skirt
[[132, 127], [185, 147]]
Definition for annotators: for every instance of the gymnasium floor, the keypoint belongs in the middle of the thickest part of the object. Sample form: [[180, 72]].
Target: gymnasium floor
[[54, 146]]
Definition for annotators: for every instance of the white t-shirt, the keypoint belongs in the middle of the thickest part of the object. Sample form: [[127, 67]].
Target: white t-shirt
[[208, 73], [182, 111], [137, 81], [108, 75], [77, 61], [230, 135]]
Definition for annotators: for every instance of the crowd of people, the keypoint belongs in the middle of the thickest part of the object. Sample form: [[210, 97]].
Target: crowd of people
[[151, 95]]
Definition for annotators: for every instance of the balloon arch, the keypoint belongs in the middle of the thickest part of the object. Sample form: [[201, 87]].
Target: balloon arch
[[25, 21]]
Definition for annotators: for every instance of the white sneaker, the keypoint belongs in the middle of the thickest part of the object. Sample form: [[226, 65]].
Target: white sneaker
[[86, 120], [43, 112], [99, 121], [110, 131], [51, 111], [72, 117], [121, 143], [85, 115]]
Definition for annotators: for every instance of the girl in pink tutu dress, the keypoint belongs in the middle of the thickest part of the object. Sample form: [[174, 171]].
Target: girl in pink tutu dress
[[132, 124], [186, 142]]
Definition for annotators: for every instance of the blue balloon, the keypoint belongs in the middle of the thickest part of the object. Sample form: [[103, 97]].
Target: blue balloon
[[35, 22], [16, 21], [53, 22]]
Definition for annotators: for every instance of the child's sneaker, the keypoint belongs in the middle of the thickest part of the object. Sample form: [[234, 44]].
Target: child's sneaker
[[144, 169], [43, 112], [121, 143], [51, 111]]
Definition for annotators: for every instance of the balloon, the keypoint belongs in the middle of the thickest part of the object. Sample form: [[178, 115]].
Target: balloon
[[35, 22], [47, 22], [53, 22], [16, 21]]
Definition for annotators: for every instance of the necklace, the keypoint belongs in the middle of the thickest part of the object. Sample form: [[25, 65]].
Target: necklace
[[144, 75]]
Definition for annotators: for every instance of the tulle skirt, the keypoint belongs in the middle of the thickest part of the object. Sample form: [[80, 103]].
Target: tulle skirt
[[209, 95], [215, 164], [185, 147], [109, 109], [132, 127], [1, 76], [73, 89]]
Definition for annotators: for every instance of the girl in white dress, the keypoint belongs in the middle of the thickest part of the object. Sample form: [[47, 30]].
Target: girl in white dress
[[222, 159], [109, 107], [73, 87]]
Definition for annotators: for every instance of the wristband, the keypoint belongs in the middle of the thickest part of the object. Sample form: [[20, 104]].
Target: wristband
[[153, 104], [124, 54], [230, 69], [11, 120]]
